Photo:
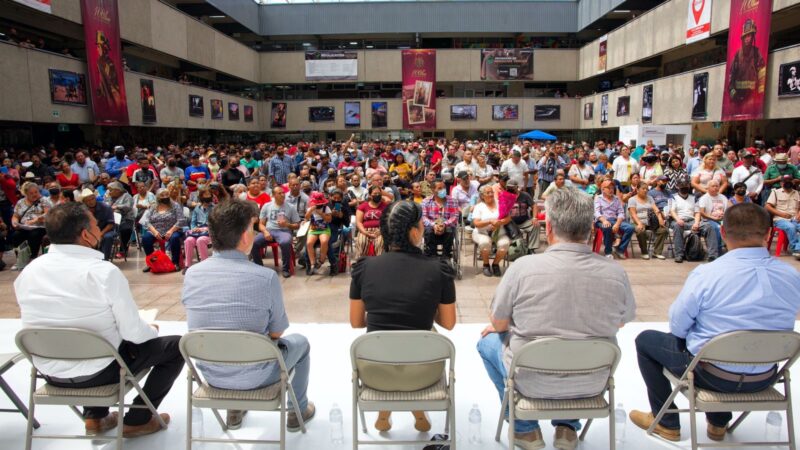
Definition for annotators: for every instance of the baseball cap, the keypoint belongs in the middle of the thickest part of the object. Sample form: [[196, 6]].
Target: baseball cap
[[194, 155], [463, 175], [512, 183]]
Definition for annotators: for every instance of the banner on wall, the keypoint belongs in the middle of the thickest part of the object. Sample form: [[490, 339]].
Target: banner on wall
[[647, 104], [41, 5], [278, 115], [746, 68], [419, 89], [379, 114], [604, 109], [700, 96], [331, 65], [507, 64], [603, 53], [248, 113], [104, 61], [148, 101], [698, 22], [352, 114]]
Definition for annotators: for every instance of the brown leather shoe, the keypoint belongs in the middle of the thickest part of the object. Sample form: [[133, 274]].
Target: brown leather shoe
[[234, 418], [716, 433], [531, 440], [99, 426], [643, 420], [293, 423], [131, 431]]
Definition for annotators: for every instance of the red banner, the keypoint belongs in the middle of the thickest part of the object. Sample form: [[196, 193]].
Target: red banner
[[104, 61], [419, 89], [746, 70]]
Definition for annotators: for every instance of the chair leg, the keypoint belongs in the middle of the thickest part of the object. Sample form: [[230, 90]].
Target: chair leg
[[297, 409], [355, 408], [452, 433], [363, 421], [502, 416], [738, 421], [585, 429], [789, 411], [189, 409], [692, 412], [16, 401], [664, 409], [32, 405], [221, 422], [146, 400], [121, 406], [283, 413], [612, 417], [511, 405]]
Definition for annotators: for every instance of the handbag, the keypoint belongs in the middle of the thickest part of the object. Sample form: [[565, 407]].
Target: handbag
[[159, 262], [652, 221], [512, 230], [23, 255]]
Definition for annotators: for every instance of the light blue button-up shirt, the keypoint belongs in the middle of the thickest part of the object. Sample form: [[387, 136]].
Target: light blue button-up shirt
[[745, 289]]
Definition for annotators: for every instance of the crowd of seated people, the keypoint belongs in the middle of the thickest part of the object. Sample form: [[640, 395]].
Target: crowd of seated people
[[339, 191]]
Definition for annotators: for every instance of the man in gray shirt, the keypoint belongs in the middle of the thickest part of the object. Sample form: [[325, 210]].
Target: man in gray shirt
[[227, 292], [569, 292], [277, 221]]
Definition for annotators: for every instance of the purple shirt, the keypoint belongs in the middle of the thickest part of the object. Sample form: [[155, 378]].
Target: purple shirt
[[610, 209]]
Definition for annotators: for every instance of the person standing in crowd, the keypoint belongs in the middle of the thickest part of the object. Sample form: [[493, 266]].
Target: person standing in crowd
[[624, 166], [145, 174], [29, 218], [280, 166], [368, 219], [172, 173], [784, 205], [675, 173], [745, 289], [609, 216], [164, 221], [277, 220], [516, 168], [115, 166], [86, 169], [72, 287], [414, 292], [440, 217], [489, 230], [565, 292], [227, 292], [643, 210], [705, 173], [580, 172], [104, 216]]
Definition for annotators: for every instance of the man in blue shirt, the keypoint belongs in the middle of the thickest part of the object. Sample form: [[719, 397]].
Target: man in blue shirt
[[228, 292], [86, 169], [280, 166], [115, 165], [745, 289]]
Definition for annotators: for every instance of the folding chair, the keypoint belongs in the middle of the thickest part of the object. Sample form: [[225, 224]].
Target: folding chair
[[554, 356], [745, 348], [7, 361], [404, 348], [235, 348], [117, 240], [71, 344]]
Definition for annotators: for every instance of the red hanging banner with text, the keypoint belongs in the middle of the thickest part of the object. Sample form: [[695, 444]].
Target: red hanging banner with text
[[419, 89], [104, 61], [746, 68]]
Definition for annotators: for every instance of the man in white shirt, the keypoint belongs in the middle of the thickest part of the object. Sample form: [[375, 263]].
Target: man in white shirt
[[72, 287], [750, 175], [624, 166], [467, 165], [516, 168], [685, 216]]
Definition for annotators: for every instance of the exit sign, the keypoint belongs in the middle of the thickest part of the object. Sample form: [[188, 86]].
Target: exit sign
[[56, 113]]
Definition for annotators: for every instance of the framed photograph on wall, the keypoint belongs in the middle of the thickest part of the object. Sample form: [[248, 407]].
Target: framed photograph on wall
[[463, 112], [352, 114], [505, 112], [588, 111], [148, 98], [700, 96], [216, 109], [379, 114], [233, 111], [248, 113], [647, 104], [604, 109], [196, 108], [789, 80], [624, 106], [278, 115], [67, 88], [321, 113], [546, 112]]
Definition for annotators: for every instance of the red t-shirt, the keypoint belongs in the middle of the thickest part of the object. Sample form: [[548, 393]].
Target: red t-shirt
[[436, 157], [66, 183], [261, 200], [372, 216]]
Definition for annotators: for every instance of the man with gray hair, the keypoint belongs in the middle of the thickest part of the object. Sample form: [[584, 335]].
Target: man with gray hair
[[569, 292]]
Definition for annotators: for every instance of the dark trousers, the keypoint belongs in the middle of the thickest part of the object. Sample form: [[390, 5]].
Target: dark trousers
[[161, 354], [6, 212], [125, 233], [34, 238], [432, 240], [657, 350], [174, 244], [107, 244], [284, 240]]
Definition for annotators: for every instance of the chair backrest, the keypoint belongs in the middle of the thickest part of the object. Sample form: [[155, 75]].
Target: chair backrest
[[567, 355], [63, 344], [751, 348], [402, 347], [229, 347]]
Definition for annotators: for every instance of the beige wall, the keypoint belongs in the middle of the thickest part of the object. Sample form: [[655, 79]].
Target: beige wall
[[15, 84], [785, 107], [659, 30]]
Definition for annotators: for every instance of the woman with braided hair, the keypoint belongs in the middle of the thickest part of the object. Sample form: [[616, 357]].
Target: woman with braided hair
[[402, 289]]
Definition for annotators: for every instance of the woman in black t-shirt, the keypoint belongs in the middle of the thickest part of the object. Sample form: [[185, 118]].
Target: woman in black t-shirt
[[402, 290]]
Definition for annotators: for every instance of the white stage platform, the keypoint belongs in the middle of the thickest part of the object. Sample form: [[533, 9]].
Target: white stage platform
[[330, 383]]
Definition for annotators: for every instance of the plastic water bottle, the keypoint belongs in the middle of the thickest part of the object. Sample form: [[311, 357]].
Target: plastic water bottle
[[475, 424], [620, 420], [197, 422], [337, 426], [773, 427]]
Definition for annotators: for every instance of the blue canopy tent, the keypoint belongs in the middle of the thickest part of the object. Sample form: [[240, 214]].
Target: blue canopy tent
[[537, 135]]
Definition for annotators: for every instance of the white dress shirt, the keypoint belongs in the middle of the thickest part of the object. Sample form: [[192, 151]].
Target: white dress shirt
[[72, 287], [754, 183]]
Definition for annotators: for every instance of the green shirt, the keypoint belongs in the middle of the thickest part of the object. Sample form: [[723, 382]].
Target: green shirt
[[774, 172]]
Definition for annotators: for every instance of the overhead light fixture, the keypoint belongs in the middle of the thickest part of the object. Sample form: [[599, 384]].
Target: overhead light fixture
[[217, 17], [622, 11], [306, 44], [354, 43], [370, 46]]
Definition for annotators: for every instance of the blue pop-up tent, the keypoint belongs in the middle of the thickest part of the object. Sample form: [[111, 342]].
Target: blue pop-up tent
[[537, 135]]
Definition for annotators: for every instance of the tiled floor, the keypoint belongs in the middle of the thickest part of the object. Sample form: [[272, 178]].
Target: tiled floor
[[330, 383], [322, 299]]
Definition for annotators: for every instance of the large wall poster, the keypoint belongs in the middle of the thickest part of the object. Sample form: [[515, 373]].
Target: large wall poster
[[602, 61], [352, 114], [196, 108], [67, 88], [700, 96], [331, 65], [604, 109], [419, 89], [698, 21], [380, 114], [278, 115], [507, 64], [148, 96], [647, 103]]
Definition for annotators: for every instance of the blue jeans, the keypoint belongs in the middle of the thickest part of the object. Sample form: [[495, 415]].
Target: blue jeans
[[792, 230], [656, 351], [295, 350], [174, 245], [284, 240], [491, 350], [625, 230], [714, 228], [107, 244]]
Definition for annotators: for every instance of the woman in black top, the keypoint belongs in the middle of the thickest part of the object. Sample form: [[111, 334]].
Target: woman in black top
[[402, 290]]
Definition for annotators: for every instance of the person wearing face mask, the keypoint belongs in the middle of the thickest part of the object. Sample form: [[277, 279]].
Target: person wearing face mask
[[280, 166], [402, 290], [368, 217], [784, 205], [579, 173], [105, 221], [163, 222], [115, 166], [121, 202], [197, 235], [686, 216], [172, 172], [773, 177], [440, 214], [739, 195], [72, 287], [749, 175]]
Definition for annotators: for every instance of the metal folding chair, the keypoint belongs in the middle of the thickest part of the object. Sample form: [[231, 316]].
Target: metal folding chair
[[7, 361], [71, 344], [738, 348]]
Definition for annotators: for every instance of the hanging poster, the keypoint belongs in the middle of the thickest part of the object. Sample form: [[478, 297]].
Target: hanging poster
[[698, 22], [463, 112], [41, 5], [507, 64], [248, 113], [196, 108], [233, 111], [647, 104], [788, 81], [278, 115], [379, 114], [547, 112], [352, 114], [624, 106], [67, 88], [419, 89], [505, 112], [104, 61], [700, 96], [216, 109], [148, 101], [588, 111], [746, 68], [601, 62], [604, 109], [331, 65]]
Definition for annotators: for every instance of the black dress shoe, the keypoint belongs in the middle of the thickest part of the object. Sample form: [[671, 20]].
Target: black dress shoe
[[487, 271], [496, 270], [679, 259], [146, 269]]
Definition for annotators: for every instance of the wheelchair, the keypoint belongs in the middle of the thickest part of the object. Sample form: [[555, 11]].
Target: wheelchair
[[455, 259]]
